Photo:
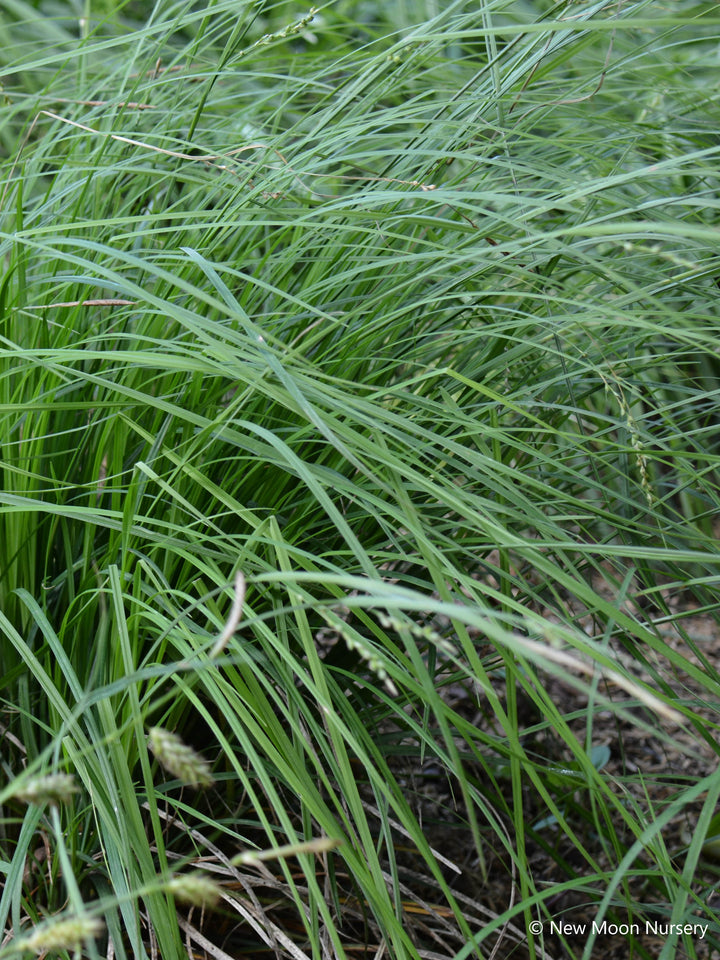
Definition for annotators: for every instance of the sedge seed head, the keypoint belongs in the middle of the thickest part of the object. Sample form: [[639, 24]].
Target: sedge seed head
[[195, 890], [179, 759], [51, 788], [59, 934]]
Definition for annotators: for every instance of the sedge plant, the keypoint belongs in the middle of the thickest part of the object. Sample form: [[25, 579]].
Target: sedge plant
[[359, 452]]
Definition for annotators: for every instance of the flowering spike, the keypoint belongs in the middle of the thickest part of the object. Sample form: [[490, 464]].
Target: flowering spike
[[61, 934], [179, 759], [51, 788]]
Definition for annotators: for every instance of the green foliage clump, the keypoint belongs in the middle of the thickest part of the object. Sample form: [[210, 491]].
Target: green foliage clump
[[407, 313]]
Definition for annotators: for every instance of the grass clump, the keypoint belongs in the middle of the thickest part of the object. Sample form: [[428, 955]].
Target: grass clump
[[358, 411]]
